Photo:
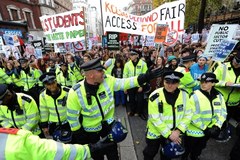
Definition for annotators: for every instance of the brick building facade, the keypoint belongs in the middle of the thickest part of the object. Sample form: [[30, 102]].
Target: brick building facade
[[21, 16]]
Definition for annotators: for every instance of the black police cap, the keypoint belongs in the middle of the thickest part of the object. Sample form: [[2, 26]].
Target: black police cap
[[172, 76], [48, 77], [188, 58], [208, 77], [3, 91], [94, 64], [22, 60]]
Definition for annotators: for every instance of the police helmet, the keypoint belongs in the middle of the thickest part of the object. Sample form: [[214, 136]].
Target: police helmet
[[118, 132], [62, 136], [173, 150]]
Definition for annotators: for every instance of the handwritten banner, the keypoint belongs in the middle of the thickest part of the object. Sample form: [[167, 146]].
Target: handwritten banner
[[217, 34], [116, 20], [64, 27]]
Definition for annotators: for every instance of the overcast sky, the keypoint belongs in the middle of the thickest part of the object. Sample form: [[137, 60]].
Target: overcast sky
[[118, 3]]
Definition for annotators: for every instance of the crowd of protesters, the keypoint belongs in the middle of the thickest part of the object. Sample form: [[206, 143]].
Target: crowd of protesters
[[22, 75]]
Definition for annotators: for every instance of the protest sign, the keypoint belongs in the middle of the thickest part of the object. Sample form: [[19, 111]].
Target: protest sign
[[137, 41], [39, 49], [11, 40], [225, 48], [113, 41], [7, 50], [161, 33], [79, 46], [37, 44], [117, 20], [149, 41], [64, 27], [1, 43], [218, 33]]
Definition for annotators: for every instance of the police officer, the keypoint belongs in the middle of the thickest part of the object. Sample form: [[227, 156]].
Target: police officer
[[74, 68], [30, 77], [22, 144], [135, 67], [187, 82], [53, 67], [64, 76], [209, 114], [228, 74], [53, 109], [4, 78], [91, 103], [18, 110], [169, 114]]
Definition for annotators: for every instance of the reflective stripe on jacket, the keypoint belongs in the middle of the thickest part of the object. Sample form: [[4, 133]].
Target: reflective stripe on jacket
[[27, 117], [186, 82], [130, 70], [160, 123], [77, 103], [25, 145], [224, 73], [48, 106], [205, 113]]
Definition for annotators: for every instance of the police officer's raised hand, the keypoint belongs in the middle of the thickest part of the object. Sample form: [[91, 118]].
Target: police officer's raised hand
[[151, 74]]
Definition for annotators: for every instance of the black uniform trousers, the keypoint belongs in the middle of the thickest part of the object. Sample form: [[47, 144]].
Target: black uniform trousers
[[194, 146], [136, 100], [152, 148], [83, 137]]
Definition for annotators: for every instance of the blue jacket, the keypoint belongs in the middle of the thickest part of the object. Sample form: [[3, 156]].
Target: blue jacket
[[196, 72]]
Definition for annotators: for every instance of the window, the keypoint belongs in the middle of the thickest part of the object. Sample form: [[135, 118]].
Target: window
[[28, 16], [14, 12], [29, 20]]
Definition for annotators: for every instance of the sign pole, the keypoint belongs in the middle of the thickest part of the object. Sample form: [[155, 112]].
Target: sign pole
[[85, 28]]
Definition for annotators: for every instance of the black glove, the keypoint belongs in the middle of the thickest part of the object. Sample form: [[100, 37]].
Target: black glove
[[212, 132], [143, 78], [11, 86], [101, 147]]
